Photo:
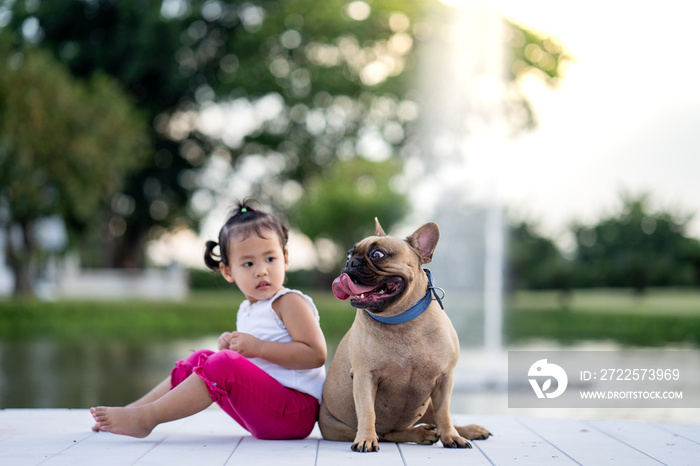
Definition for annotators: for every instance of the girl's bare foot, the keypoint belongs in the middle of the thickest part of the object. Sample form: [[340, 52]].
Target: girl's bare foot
[[130, 421], [140, 402]]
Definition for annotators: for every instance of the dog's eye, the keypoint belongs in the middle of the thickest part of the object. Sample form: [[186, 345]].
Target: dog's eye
[[377, 254]]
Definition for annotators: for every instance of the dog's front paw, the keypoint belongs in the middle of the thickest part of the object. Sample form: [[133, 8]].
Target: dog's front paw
[[454, 441], [365, 445]]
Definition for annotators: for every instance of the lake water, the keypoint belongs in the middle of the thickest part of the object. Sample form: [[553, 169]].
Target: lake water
[[46, 373]]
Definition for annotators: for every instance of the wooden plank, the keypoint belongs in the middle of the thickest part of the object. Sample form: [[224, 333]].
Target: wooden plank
[[689, 431], [663, 446], [513, 443], [289, 452], [191, 449], [210, 437], [112, 449], [340, 454], [431, 455], [575, 439], [29, 437], [63, 437]]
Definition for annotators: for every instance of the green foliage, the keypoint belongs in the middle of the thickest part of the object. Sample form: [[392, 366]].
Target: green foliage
[[536, 53], [177, 57], [636, 248], [534, 261], [342, 202], [65, 146], [332, 74], [206, 280], [531, 54]]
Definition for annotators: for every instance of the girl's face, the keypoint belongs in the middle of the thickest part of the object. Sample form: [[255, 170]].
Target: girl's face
[[256, 265]]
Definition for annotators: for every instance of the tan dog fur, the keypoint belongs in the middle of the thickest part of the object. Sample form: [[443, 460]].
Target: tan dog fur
[[394, 382]]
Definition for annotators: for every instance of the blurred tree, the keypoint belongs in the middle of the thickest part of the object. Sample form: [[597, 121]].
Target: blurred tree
[[341, 203], [534, 261], [531, 54], [65, 147], [636, 248], [299, 83]]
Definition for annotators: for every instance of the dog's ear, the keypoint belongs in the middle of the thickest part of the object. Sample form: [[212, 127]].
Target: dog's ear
[[378, 231], [424, 240]]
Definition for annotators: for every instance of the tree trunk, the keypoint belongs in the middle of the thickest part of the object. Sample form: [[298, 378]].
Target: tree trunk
[[20, 259], [129, 250]]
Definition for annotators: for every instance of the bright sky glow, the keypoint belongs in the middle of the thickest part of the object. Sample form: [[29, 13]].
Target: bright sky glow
[[625, 118]]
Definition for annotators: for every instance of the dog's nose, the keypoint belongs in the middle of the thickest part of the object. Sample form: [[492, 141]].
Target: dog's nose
[[353, 262]]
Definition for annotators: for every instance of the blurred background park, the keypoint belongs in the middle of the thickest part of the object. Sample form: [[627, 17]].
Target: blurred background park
[[556, 146]]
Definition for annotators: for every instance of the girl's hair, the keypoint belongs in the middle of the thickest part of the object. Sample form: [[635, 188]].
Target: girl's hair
[[244, 221]]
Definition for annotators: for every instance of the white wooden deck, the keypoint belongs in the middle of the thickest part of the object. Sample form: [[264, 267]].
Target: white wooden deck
[[63, 437]]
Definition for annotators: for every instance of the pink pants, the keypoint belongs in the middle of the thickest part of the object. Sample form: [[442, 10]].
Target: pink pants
[[263, 406]]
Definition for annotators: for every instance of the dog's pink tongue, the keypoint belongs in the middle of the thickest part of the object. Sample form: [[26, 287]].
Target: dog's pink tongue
[[343, 287]]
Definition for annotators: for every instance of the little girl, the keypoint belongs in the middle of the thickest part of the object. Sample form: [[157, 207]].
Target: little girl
[[267, 375]]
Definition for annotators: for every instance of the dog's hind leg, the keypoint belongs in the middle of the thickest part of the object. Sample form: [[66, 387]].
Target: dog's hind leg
[[424, 434], [332, 428], [470, 432], [473, 432]]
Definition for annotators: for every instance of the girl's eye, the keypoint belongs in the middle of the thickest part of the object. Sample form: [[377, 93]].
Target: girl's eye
[[377, 254], [270, 259], [247, 264]]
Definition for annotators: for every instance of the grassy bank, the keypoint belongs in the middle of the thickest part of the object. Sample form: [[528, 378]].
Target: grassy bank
[[202, 313], [636, 330], [660, 317]]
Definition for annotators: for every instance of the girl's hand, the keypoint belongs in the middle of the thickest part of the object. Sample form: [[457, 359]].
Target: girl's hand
[[224, 341], [245, 344]]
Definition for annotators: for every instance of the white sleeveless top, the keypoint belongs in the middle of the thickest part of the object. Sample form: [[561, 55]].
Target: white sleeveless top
[[261, 321]]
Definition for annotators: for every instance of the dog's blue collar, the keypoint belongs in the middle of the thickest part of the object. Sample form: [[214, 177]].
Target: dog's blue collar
[[415, 310]]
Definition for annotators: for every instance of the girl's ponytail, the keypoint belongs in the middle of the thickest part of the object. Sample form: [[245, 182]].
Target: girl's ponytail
[[209, 256]]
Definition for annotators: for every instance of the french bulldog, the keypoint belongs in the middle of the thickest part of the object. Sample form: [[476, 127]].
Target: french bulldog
[[391, 377]]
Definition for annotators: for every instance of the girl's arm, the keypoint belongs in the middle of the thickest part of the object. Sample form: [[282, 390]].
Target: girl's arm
[[306, 351]]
